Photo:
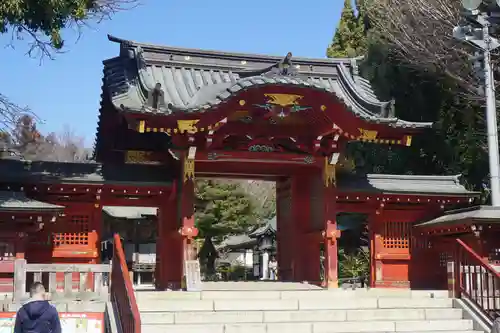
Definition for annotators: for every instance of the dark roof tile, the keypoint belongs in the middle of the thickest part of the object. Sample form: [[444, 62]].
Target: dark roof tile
[[17, 201], [409, 184], [196, 80], [486, 214]]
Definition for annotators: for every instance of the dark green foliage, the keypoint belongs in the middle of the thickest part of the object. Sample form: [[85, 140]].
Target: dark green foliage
[[222, 209], [455, 144], [45, 16], [354, 265], [43, 20]]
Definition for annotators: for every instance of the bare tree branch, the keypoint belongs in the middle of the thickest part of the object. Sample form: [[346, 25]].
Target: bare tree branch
[[41, 44], [10, 113], [420, 32], [40, 23]]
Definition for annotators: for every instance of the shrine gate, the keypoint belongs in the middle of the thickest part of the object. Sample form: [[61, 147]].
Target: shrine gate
[[169, 115]]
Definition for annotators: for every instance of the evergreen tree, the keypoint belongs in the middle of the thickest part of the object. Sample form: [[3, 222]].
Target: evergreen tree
[[349, 39], [222, 209], [453, 146]]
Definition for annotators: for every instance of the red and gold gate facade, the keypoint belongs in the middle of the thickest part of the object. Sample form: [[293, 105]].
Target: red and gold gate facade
[[176, 114]]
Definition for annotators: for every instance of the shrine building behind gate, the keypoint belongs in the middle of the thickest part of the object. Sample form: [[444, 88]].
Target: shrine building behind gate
[[169, 115]]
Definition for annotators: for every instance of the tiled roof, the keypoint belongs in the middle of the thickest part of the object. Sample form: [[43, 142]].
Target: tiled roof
[[129, 212], [17, 201], [236, 241], [271, 225], [487, 214], [410, 184], [83, 173], [196, 80], [13, 171]]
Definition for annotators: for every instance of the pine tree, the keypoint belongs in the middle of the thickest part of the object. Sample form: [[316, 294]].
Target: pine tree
[[349, 39], [222, 209]]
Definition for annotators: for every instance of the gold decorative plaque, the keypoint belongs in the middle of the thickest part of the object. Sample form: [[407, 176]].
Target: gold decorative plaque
[[187, 126], [367, 134], [188, 170], [138, 157], [283, 99]]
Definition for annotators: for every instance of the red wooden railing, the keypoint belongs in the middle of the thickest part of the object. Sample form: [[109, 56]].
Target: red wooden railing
[[122, 291], [476, 280]]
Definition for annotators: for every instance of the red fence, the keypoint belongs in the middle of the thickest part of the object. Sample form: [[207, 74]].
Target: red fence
[[122, 291], [476, 280]]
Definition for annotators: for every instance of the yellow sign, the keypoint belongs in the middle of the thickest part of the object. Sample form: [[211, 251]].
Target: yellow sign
[[137, 157], [329, 173], [188, 170]]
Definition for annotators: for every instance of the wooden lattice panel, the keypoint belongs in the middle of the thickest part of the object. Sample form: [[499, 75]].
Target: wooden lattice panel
[[79, 235], [396, 235]]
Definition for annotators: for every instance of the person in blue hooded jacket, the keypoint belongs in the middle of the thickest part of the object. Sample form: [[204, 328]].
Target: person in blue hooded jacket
[[37, 315]]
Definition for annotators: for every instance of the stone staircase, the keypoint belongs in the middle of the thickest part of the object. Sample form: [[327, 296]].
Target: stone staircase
[[238, 308]]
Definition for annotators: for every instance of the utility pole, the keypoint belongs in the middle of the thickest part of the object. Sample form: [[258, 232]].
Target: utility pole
[[476, 32]]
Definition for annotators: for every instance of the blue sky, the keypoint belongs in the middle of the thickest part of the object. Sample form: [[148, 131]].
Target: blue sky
[[66, 91]]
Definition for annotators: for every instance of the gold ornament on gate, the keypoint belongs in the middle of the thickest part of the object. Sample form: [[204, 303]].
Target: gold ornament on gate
[[283, 99], [367, 134], [137, 156], [329, 174], [187, 126], [188, 170]]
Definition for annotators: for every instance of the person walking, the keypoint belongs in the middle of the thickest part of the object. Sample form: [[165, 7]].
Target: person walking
[[37, 315], [273, 269]]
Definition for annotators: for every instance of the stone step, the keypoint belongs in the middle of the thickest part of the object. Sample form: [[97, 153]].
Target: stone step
[[290, 294], [257, 285], [229, 317], [172, 305], [443, 326]]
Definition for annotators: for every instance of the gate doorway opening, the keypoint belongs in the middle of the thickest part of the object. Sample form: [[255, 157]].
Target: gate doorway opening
[[354, 250], [237, 225], [138, 228]]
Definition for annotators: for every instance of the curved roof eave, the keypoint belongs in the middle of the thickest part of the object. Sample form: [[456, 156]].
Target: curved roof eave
[[134, 102], [140, 66]]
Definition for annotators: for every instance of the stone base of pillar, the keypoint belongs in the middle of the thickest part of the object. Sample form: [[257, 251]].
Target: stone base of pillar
[[333, 284]]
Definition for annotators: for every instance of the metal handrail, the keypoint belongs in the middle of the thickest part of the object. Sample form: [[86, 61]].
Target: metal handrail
[[477, 280], [122, 291]]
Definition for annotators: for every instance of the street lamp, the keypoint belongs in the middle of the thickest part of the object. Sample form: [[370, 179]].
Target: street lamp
[[476, 32]]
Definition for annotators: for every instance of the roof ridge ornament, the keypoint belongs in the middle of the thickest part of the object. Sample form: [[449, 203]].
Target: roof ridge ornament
[[156, 98], [355, 66], [141, 61], [283, 67], [389, 109]]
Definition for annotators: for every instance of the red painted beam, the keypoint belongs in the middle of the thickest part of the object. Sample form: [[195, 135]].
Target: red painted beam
[[228, 175], [272, 130], [252, 170], [252, 158]]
